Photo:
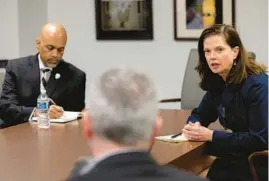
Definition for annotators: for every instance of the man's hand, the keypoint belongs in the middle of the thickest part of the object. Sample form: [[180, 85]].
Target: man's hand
[[196, 132], [55, 111]]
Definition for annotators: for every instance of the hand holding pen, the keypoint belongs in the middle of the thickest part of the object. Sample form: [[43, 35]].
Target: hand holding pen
[[197, 124], [55, 111], [197, 132]]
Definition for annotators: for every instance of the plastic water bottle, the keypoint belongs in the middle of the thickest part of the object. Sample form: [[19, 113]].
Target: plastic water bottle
[[43, 110]]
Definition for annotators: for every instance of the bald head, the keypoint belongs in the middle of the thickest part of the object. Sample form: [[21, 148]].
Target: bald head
[[51, 43], [53, 30]]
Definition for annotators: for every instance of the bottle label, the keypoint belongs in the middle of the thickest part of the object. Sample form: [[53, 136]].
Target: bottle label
[[43, 105]]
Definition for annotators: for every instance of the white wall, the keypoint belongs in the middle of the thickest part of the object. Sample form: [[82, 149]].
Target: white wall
[[252, 25], [32, 14], [163, 58], [9, 38]]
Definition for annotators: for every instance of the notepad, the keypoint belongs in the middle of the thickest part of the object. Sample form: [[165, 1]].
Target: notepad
[[67, 117], [167, 138]]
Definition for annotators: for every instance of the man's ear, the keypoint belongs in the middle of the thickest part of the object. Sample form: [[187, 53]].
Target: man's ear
[[38, 42], [86, 125], [157, 128]]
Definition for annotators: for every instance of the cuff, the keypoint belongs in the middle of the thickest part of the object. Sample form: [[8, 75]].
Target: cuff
[[217, 135], [192, 120]]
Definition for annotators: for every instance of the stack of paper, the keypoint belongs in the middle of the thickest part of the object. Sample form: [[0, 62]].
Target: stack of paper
[[168, 138], [67, 117]]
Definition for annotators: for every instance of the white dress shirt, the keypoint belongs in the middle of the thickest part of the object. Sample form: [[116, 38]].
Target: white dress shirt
[[46, 75]]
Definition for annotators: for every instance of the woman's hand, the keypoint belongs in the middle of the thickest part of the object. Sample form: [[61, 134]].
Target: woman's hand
[[196, 132]]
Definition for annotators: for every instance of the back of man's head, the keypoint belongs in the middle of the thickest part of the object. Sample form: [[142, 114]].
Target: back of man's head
[[123, 106]]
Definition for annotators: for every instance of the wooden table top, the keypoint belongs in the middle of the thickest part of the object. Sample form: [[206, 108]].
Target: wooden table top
[[31, 154]]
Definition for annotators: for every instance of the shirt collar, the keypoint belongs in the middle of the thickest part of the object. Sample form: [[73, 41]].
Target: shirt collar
[[90, 162], [41, 65]]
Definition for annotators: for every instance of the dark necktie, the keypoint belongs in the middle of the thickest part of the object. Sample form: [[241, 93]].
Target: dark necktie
[[44, 82]]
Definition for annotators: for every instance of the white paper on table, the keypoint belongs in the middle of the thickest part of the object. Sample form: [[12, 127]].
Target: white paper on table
[[67, 117], [167, 138]]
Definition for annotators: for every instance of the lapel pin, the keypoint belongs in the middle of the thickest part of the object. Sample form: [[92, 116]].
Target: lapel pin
[[57, 76]]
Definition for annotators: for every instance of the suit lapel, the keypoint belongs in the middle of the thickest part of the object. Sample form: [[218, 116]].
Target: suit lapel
[[54, 82], [35, 74]]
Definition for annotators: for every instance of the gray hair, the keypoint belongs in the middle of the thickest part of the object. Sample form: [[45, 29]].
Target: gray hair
[[123, 105]]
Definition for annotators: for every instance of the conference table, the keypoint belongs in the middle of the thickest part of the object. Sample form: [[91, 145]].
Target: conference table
[[28, 153]]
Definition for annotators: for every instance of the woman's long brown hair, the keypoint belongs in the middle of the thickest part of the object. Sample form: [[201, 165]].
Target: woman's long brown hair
[[244, 65]]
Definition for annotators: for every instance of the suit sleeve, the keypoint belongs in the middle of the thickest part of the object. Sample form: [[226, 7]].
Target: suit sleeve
[[11, 111], [257, 137], [206, 112], [78, 95]]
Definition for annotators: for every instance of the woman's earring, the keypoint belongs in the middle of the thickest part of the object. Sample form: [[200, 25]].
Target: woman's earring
[[234, 63]]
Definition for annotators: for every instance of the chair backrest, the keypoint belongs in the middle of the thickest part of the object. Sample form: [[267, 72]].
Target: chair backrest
[[252, 55], [191, 93], [2, 77], [3, 64]]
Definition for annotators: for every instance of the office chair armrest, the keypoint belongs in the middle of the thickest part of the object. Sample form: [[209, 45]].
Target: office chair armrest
[[259, 153], [251, 162], [170, 100]]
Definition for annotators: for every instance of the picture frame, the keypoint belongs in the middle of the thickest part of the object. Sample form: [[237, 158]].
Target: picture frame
[[192, 16], [124, 19]]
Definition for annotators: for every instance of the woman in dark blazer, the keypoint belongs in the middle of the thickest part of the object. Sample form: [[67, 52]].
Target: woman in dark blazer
[[237, 95]]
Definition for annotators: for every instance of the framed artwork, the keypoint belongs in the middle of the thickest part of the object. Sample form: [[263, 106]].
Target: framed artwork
[[192, 16], [124, 19]]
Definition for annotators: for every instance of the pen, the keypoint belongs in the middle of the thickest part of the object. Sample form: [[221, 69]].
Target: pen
[[176, 135], [52, 101]]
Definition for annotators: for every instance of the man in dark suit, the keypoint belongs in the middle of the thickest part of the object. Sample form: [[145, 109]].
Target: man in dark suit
[[25, 77], [120, 126]]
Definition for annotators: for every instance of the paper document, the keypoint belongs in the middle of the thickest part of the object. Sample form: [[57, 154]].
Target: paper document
[[67, 117], [167, 138]]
